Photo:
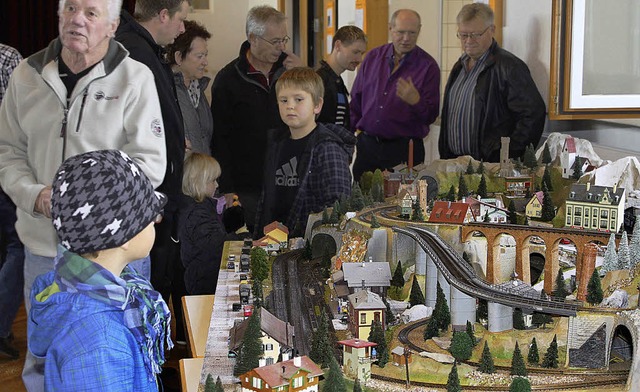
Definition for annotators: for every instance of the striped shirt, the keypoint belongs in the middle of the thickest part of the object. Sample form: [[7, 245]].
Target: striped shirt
[[463, 131]]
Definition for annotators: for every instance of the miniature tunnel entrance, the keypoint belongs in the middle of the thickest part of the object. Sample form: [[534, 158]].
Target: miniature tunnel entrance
[[323, 244], [621, 355]]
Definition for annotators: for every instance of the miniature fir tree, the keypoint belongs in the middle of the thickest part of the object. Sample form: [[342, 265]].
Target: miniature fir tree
[[546, 154], [551, 356], [470, 167], [432, 330], [548, 209], [356, 386], [470, 333], [513, 216], [486, 218], [374, 222], [416, 297], [416, 215], [377, 336], [594, 289], [256, 288], [307, 253], [577, 170], [517, 164], [325, 216], [209, 384], [518, 367], [533, 357], [624, 255], [461, 346], [389, 318], [520, 384], [610, 259], [441, 309], [259, 263], [366, 180], [321, 352], [546, 178], [397, 280], [480, 168], [345, 205], [453, 381], [482, 187], [463, 191], [334, 380], [251, 347], [357, 199], [219, 386], [368, 200], [634, 245], [560, 290], [482, 313], [335, 213], [451, 195], [486, 364], [518, 319], [529, 159], [377, 186]]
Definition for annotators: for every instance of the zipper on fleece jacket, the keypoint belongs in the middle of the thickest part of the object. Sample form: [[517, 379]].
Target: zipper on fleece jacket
[[84, 101], [65, 121]]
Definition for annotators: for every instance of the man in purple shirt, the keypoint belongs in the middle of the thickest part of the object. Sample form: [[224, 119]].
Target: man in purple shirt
[[394, 99]]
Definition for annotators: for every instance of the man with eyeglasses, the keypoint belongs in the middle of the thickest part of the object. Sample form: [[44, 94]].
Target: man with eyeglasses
[[490, 94], [244, 106], [394, 99]]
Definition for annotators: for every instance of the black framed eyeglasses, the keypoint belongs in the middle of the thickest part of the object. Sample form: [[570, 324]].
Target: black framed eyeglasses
[[473, 36]]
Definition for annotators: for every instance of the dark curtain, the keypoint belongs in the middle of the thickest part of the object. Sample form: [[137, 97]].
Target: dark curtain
[[29, 25]]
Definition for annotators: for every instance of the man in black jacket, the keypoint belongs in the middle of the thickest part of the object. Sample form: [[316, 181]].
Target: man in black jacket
[[489, 95], [244, 107], [145, 35]]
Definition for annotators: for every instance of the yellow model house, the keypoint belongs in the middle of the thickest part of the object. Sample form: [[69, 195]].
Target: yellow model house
[[365, 307], [357, 356], [534, 206], [595, 207]]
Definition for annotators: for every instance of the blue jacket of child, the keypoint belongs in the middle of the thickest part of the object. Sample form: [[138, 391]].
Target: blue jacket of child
[[85, 343]]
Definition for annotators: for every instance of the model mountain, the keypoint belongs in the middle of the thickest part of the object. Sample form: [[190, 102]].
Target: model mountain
[[625, 172], [583, 148]]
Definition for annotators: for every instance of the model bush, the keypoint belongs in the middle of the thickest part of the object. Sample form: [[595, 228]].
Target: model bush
[[486, 364], [453, 381], [594, 289], [551, 356], [533, 357], [377, 336], [366, 180], [374, 222], [259, 263], [377, 186], [520, 384], [518, 367], [461, 346]]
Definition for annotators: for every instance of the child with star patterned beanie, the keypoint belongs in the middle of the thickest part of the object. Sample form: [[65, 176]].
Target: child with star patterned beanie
[[97, 323]]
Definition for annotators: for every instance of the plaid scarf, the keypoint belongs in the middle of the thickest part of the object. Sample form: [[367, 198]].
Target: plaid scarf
[[145, 312]]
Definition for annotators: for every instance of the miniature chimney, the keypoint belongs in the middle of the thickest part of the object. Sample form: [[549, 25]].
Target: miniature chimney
[[410, 163], [262, 362], [588, 186], [615, 187], [297, 361], [285, 356], [284, 369]]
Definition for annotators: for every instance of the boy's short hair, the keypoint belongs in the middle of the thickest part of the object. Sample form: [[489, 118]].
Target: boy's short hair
[[199, 170], [348, 35], [233, 218], [100, 200], [303, 78]]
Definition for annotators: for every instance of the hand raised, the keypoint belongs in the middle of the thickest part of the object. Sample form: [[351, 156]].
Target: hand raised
[[407, 91]]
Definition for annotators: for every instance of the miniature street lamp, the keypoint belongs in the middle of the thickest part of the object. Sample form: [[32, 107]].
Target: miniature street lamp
[[407, 355]]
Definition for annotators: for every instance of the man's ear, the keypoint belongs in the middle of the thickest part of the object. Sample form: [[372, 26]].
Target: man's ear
[[164, 15]]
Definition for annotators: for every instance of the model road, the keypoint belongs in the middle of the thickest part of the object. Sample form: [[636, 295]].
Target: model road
[[461, 276]]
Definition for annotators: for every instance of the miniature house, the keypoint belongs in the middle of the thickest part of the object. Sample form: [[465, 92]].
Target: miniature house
[[365, 307], [297, 374], [405, 203], [357, 356], [517, 186], [489, 206], [277, 336], [373, 276], [276, 236], [568, 157], [595, 207], [398, 357], [534, 206], [450, 212]]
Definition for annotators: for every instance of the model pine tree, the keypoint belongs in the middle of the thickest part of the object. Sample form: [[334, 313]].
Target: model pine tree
[[594, 289], [634, 245], [518, 319], [321, 351], [335, 213], [624, 255], [463, 190], [416, 297], [259, 263], [451, 195], [470, 168], [256, 288], [366, 180], [368, 200], [548, 209], [610, 260], [546, 154], [486, 218], [513, 216], [518, 367], [356, 386], [357, 199], [546, 178], [334, 379], [469, 331], [432, 330], [389, 318], [397, 280], [482, 313], [374, 222], [533, 357], [529, 159], [441, 310], [377, 336], [551, 356], [345, 204], [377, 186], [482, 187], [480, 168], [486, 364], [560, 290], [209, 384], [577, 170], [461, 346], [251, 347], [325, 216], [453, 381], [520, 384], [416, 214]]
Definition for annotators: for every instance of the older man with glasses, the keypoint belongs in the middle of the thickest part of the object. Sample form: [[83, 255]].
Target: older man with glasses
[[394, 99], [489, 95], [244, 106]]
